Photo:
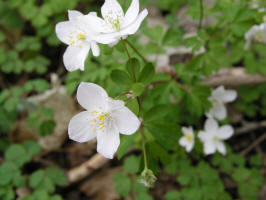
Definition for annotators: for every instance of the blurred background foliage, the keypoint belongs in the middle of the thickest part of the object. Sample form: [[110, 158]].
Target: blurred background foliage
[[30, 53]]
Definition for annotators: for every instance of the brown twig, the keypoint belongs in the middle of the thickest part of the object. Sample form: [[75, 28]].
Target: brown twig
[[249, 127], [85, 169], [253, 144]]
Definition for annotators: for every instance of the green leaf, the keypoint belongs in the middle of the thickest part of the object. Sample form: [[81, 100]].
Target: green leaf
[[156, 113], [136, 64], [125, 143], [121, 78], [36, 178], [138, 89], [56, 175], [173, 37], [122, 184], [131, 164], [147, 74], [17, 153], [33, 148], [47, 127], [133, 105], [173, 195], [7, 171]]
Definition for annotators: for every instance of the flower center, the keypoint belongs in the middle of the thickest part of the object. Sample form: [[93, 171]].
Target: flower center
[[215, 138], [81, 37], [114, 19], [189, 137], [100, 120]]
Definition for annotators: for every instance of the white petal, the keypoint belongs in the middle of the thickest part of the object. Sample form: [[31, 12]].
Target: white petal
[[187, 130], [209, 148], [229, 96], [211, 125], [225, 132], [111, 8], [95, 23], [64, 30], [223, 95], [93, 13], [221, 148], [74, 14], [218, 111], [92, 97], [131, 13], [190, 146], [115, 104], [95, 49], [183, 142], [108, 142], [108, 38], [79, 128], [133, 27], [203, 136], [75, 56], [126, 121]]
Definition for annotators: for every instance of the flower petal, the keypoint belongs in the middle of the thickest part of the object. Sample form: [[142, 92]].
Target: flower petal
[[204, 136], [112, 9], [190, 146], [126, 121], [133, 27], [74, 14], [131, 13], [209, 148], [221, 148], [79, 128], [108, 141], [218, 111], [187, 130], [91, 96], [211, 125], [95, 49], [183, 142], [225, 132], [223, 95], [64, 30], [75, 56]]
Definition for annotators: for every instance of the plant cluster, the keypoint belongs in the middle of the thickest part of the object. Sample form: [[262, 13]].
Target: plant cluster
[[135, 111]]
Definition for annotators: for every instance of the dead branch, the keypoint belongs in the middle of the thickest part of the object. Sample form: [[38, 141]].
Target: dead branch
[[248, 127], [85, 169], [234, 77], [227, 77], [253, 144]]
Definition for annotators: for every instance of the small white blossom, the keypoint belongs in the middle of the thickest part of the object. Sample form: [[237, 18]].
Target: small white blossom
[[78, 34], [257, 33], [213, 136], [104, 119], [218, 97], [117, 24], [188, 139]]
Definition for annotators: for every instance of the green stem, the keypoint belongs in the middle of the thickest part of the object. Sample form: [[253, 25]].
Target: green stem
[[130, 60], [143, 148], [201, 14], [139, 102], [136, 51]]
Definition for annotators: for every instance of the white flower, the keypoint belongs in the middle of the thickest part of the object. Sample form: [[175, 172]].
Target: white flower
[[218, 97], [187, 140], [79, 35], [257, 33], [117, 24], [104, 119], [214, 135]]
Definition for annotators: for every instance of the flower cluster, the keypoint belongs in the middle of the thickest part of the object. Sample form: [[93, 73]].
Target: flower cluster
[[104, 117], [82, 32], [257, 33], [212, 136]]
